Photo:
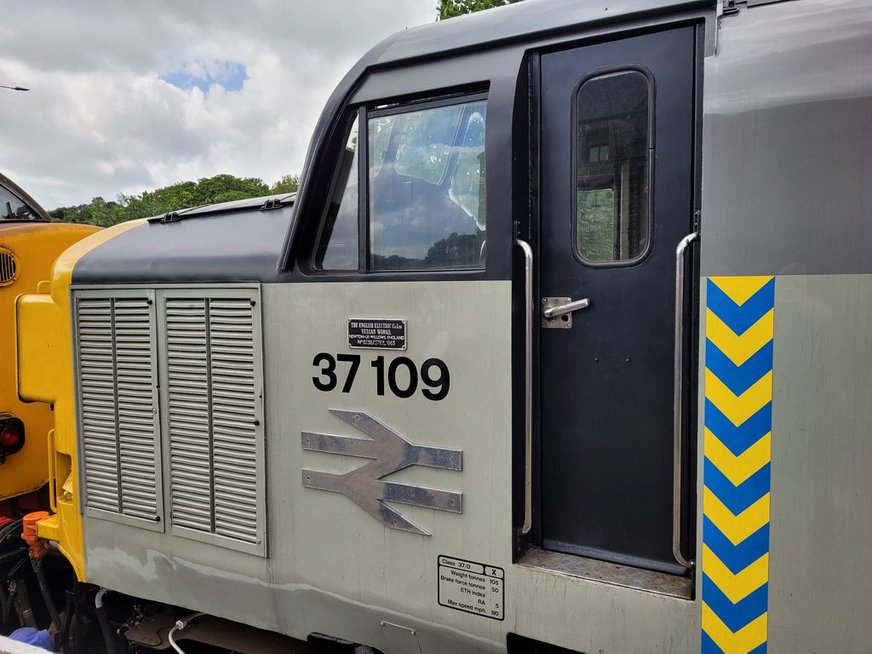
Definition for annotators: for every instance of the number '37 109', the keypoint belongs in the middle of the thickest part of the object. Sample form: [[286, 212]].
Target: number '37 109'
[[401, 376]]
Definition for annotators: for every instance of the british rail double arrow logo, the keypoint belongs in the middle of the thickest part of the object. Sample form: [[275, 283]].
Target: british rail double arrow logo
[[390, 453], [736, 468]]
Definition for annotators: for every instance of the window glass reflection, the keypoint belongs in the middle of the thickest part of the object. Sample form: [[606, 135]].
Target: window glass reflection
[[611, 203], [427, 188]]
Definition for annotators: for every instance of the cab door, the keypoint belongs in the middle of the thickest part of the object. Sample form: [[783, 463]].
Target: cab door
[[616, 143]]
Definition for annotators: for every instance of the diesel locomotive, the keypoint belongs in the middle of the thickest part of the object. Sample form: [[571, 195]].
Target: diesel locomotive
[[29, 243], [562, 346]]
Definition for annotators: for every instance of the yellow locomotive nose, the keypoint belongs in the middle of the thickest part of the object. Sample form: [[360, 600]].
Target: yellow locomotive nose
[[43, 350]]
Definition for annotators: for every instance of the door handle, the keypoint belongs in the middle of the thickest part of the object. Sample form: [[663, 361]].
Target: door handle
[[678, 395], [562, 309]]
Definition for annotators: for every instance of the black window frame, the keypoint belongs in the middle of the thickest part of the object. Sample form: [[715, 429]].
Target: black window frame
[[362, 114], [309, 263], [576, 156]]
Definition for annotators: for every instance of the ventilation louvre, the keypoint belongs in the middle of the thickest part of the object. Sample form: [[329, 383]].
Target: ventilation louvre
[[188, 413], [117, 406], [205, 415], [234, 418], [215, 438], [8, 267]]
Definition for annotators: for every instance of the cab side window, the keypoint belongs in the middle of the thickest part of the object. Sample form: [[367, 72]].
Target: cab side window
[[612, 168], [11, 208], [422, 169]]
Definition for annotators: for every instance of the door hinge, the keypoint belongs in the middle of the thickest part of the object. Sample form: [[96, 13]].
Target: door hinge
[[270, 204]]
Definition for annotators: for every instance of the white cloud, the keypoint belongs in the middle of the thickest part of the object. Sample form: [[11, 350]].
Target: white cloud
[[100, 120]]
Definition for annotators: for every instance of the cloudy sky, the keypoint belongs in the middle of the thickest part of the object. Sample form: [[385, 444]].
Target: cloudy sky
[[131, 96]]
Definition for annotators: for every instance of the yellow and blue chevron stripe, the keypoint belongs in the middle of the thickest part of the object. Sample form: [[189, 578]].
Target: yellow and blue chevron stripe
[[736, 467]]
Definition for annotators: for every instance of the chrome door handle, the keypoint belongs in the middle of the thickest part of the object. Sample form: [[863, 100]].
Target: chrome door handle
[[562, 309], [677, 399]]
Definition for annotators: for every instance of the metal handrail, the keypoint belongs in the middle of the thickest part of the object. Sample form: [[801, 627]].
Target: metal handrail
[[678, 399], [528, 386]]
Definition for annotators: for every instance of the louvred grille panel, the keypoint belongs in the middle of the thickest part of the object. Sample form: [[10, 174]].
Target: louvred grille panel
[[207, 346], [234, 417], [213, 404], [118, 405], [188, 413]]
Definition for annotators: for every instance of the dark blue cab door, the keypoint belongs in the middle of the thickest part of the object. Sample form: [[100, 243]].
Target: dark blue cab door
[[616, 188]]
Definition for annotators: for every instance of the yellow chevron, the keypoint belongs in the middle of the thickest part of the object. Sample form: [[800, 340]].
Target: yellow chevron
[[739, 348], [737, 468], [735, 527], [740, 289], [738, 409], [735, 586], [743, 641]]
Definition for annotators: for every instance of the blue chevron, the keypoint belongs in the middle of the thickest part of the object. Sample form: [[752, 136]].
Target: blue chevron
[[735, 557], [738, 615], [736, 498], [710, 647], [736, 317], [738, 378], [738, 439]]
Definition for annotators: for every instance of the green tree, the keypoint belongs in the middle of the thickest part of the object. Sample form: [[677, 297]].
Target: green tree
[[208, 190], [452, 8], [287, 184], [226, 188]]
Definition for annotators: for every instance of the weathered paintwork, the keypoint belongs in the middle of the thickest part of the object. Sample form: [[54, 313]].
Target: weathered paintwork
[[820, 561], [327, 557], [787, 147]]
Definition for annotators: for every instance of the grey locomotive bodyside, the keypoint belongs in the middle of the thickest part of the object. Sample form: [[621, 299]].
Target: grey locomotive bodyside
[[781, 155]]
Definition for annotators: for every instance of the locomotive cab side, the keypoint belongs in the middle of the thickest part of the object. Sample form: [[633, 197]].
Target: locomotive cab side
[[504, 374]]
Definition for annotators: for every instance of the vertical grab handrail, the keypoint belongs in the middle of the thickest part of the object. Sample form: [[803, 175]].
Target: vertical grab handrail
[[678, 398], [528, 386], [52, 472]]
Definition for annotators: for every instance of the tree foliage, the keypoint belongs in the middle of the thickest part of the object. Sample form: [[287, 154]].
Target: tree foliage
[[287, 184], [208, 190], [452, 8]]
